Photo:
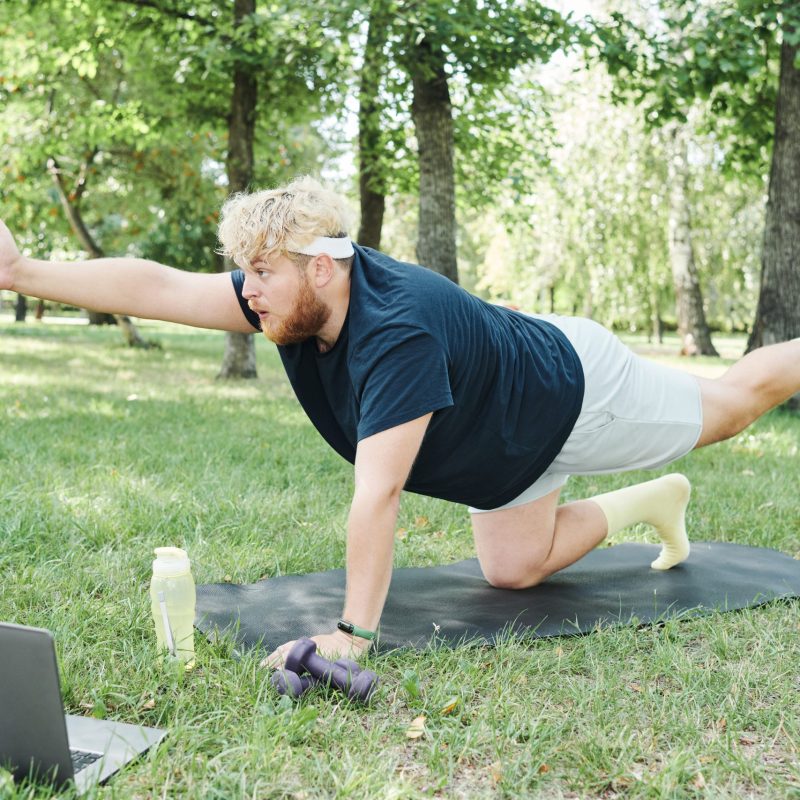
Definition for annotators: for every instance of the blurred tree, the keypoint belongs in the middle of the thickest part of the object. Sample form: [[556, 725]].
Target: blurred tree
[[778, 314], [239, 359], [21, 308], [588, 233], [743, 58], [693, 329], [372, 151]]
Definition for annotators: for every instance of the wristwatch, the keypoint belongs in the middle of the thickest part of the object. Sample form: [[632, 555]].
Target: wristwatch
[[354, 630]]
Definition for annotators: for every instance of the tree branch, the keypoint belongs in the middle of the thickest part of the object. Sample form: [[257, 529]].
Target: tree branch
[[73, 214], [80, 183]]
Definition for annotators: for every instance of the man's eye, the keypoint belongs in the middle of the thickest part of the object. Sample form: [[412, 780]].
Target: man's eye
[[261, 273]]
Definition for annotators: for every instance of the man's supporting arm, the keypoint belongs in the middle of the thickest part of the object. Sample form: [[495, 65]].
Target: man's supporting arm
[[383, 463], [132, 286]]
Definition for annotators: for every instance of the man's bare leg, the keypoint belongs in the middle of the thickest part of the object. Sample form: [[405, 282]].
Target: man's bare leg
[[761, 380], [521, 546]]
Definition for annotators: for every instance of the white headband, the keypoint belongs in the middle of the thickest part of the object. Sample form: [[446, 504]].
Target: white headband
[[340, 247]]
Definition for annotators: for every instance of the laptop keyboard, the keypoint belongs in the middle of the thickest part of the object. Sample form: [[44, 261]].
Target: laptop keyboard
[[82, 758]]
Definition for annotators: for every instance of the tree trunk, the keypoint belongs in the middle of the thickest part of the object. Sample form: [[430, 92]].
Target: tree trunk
[[656, 323], [75, 219], [371, 184], [778, 312], [100, 317], [692, 326], [21, 308], [239, 359], [433, 123]]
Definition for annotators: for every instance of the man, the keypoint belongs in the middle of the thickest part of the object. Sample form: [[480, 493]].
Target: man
[[426, 387]]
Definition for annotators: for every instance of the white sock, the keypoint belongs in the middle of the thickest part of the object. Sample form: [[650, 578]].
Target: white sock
[[662, 503]]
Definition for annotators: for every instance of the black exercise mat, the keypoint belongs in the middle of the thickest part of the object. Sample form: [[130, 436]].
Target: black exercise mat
[[454, 603]]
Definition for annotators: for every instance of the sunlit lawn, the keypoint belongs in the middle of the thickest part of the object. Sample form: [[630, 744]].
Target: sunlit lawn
[[107, 452]]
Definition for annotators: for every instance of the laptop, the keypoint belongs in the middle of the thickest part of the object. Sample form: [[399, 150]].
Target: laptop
[[37, 740]]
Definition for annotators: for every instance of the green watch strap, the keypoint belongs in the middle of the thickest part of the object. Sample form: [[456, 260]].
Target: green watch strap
[[354, 630]]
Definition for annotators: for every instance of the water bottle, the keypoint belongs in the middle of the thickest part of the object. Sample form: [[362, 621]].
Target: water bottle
[[172, 596]]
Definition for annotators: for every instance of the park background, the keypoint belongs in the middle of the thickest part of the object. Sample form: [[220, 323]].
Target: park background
[[636, 162]]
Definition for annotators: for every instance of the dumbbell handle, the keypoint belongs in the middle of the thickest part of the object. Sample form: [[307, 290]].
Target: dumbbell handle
[[303, 657], [329, 671]]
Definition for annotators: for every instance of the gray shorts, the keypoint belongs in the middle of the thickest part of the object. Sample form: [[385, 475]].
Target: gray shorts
[[636, 414]]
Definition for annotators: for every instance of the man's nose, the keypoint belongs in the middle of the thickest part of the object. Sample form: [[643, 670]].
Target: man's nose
[[248, 290]]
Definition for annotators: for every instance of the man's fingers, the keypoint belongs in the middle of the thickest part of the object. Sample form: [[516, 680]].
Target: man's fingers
[[276, 658]]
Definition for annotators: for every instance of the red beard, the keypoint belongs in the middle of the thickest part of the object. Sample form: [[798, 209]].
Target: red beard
[[303, 321]]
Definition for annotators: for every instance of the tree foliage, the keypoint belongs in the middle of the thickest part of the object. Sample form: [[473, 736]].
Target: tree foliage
[[137, 97], [588, 235], [724, 54]]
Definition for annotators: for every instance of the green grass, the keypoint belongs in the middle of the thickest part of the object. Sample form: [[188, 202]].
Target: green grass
[[106, 453]]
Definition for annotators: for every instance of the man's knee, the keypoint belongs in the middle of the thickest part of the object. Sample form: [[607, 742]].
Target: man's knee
[[514, 577]]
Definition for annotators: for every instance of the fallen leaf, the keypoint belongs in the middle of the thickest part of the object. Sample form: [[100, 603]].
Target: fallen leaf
[[449, 706], [544, 768], [416, 728], [559, 651], [401, 533], [699, 781], [497, 771], [148, 706], [420, 522], [635, 687]]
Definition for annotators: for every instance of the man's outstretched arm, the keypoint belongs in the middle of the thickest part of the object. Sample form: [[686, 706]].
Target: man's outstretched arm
[[132, 286], [383, 463]]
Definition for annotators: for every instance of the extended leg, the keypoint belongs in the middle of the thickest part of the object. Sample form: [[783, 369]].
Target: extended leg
[[520, 546], [758, 382]]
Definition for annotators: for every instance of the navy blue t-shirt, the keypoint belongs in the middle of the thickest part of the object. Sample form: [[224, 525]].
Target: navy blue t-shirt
[[505, 389]]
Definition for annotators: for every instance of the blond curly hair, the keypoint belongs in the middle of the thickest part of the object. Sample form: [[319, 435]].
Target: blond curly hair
[[278, 221]]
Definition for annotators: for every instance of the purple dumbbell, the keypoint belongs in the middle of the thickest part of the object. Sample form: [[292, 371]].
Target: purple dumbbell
[[358, 685], [288, 682]]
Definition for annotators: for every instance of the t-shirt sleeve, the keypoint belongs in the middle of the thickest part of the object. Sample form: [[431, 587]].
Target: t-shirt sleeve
[[237, 278], [402, 382]]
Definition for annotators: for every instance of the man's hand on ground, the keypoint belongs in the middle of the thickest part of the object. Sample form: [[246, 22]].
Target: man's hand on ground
[[329, 645]]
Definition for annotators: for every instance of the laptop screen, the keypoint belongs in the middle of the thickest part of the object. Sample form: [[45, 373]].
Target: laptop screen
[[33, 731]]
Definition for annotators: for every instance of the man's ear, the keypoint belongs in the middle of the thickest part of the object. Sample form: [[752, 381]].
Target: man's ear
[[323, 269]]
